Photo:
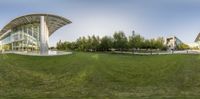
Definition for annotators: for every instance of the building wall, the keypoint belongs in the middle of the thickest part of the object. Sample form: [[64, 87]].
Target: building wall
[[22, 38], [172, 42], [193, 45]]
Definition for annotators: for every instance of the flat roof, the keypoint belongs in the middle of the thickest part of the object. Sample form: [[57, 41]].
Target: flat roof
[[54, 22]]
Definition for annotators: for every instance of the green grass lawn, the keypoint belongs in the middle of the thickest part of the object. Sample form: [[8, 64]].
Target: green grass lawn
[[101, 76]]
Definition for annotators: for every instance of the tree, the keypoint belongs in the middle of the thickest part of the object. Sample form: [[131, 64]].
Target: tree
[[60, 45], [183, 46], [146, 44], [95, 42], [159, 44], [152, 43], [81, 43], [120, 40], [72, 46], [106, 43], [136, 41]]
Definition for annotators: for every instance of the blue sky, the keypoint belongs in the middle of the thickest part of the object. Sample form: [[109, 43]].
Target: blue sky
[[150, 18]]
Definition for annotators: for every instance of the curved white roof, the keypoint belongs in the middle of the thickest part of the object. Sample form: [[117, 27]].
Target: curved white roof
[[54, 22]]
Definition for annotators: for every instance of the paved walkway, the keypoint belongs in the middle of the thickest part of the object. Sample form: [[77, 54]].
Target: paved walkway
[[54, 53], [50, 53], [163, 53]]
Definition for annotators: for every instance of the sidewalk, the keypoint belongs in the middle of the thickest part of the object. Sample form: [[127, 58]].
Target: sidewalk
[[162, 53]]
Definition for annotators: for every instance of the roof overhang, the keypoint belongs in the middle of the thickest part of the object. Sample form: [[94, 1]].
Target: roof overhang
[[197, 38], [54, 22]]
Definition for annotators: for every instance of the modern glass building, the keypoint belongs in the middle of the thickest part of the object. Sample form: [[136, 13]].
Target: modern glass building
[[172, 42], [30, 32], [197, 41]]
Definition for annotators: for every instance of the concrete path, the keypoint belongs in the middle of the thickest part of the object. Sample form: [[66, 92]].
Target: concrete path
[[163, 53]]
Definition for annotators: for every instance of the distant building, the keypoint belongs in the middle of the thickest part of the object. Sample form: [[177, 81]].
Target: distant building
[[197, 42], [193, 45], [172, 42]]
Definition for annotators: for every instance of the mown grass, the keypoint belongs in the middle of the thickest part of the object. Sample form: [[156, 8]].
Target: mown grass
[[101, 76]]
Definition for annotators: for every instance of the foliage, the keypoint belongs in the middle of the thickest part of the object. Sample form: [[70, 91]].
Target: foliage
[[183, 46], [118, 41], [106, 43], [62, 45], [135, 41]]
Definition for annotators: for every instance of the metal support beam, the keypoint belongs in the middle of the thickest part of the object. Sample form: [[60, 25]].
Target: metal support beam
[[43, 36]]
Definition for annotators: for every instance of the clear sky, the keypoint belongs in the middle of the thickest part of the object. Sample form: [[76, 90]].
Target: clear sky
[[150, 18]]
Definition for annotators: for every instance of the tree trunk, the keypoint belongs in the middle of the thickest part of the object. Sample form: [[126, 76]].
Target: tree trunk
[[133, 50]]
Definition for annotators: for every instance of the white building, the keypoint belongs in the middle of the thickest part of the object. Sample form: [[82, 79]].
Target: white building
[[30, 32], [172, 42]]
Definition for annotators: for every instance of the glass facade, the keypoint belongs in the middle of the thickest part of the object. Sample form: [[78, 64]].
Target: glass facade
[[22, 38], [30, 32]]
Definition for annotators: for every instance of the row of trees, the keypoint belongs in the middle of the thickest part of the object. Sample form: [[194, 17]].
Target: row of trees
[[119, 41], [183, 46]]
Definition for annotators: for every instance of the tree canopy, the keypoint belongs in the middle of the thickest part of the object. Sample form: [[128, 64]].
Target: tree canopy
[[119, 41]]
